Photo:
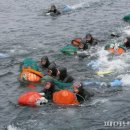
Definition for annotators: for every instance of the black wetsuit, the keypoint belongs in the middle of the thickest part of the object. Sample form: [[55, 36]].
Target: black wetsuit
[[88, 44], [127, 44], [54, 12], [49, 93], [64, 76], [84, 94]]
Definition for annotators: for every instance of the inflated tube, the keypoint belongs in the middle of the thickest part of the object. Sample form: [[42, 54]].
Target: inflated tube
[[65, 97], [29, 99]]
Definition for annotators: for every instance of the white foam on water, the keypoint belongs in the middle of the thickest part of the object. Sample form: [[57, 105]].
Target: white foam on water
[[18, 51], [117, 63], [82, 4], [127, 30], [77, 6], [97, 101], [10, 127], [125, 79]]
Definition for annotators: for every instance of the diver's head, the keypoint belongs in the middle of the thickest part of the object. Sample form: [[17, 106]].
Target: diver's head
[[89, 38], [127, 40], [45, 61], [52, 71], [77, 87], [53, 7], [81, 46], [49, 84], [62, 72]]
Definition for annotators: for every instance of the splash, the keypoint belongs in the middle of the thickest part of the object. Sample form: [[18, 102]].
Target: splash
[[114, 63], [68, 8], [10, 127], [125, 79], [77, 6], [127, 30], [99, 101]]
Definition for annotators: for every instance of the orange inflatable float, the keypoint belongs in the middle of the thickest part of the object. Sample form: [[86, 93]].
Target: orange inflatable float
[[29, 99], [65, 97], [32, 71], [32, 99], [30, 75], [76, 41], [118, 51]]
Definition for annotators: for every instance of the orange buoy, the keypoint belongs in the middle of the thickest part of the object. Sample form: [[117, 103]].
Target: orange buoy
[[31, 77], [118, 51], [29, 99], [65, 97], [32, 71], [76, 41]]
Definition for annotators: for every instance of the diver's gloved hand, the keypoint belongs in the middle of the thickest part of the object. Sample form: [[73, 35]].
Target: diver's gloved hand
[[41, 101]]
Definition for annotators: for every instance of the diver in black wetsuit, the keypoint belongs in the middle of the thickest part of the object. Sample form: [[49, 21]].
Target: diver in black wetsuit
[[63, 75], [87, 42], [127, 42], [52, 71], [48, 89], [45, 62], [80, 92], [53, 11]]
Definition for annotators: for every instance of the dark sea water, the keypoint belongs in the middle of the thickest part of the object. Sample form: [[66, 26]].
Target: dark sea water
[[26, 32]]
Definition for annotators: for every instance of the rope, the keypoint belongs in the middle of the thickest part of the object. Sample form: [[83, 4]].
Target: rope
[[81, 96]]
